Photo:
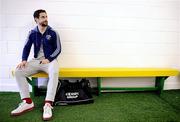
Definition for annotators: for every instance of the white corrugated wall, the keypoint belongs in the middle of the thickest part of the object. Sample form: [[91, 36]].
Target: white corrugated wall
[[97, 33]]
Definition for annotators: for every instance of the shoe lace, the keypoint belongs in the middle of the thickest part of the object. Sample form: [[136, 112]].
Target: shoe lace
[[47, 109], [21, 104]]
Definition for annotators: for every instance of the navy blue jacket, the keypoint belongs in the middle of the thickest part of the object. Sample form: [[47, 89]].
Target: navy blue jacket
[[50, 40]]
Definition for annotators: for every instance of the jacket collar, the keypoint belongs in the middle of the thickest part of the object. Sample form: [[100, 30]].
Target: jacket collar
[[37, 30]]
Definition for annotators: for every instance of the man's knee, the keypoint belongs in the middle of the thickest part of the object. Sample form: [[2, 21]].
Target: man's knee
[[18, 72]]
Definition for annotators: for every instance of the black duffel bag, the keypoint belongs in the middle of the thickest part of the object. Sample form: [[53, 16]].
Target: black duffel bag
[[78, 92]]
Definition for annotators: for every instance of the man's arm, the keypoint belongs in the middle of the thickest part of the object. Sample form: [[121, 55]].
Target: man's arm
[[27, 48], [26, 51], [58, 48]]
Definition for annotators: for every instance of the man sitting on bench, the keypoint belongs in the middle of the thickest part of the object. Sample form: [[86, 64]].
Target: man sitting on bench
[[47, 47]]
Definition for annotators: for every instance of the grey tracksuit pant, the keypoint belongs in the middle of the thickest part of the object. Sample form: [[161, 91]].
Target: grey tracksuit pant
[[34, 66]]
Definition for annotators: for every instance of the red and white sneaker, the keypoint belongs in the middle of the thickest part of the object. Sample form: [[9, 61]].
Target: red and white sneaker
[[47, 111], [22, 108]]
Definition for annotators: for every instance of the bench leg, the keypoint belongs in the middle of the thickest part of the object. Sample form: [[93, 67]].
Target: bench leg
[[159, 84], [35, 89], [99, 80], [32, 82]]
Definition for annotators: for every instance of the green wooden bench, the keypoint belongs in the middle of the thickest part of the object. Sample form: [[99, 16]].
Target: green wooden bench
[[160, 74]]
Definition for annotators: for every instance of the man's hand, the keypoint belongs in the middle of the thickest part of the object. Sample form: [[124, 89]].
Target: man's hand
[[22, 65], [44, 61]]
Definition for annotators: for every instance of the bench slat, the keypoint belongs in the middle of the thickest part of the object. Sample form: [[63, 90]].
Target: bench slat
[[160, 74], [113, 72]]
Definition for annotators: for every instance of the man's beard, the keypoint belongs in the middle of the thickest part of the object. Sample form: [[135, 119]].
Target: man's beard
[[44, 24]]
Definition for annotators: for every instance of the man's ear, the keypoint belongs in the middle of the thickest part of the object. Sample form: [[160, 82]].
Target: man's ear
[[35, 19]]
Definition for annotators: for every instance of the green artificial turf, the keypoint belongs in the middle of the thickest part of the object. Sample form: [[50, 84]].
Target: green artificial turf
[[109, 107]]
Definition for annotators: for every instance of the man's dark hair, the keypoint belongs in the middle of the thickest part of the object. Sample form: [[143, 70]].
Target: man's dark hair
[[37, 12]]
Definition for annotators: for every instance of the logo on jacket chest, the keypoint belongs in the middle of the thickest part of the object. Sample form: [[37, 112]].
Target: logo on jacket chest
[[48, 37]]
